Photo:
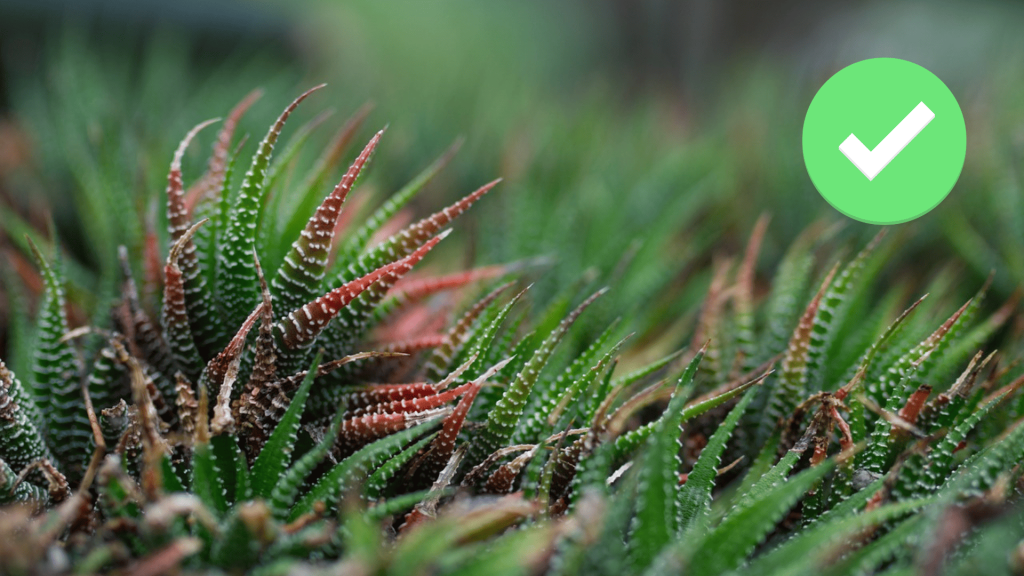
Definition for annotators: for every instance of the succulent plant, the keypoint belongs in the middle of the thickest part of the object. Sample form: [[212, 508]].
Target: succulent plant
[[298, 402]]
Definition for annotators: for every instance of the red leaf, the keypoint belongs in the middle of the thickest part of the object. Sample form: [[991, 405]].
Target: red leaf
[[303, 325]]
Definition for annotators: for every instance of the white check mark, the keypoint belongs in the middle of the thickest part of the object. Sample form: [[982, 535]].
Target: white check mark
[[871, 162]]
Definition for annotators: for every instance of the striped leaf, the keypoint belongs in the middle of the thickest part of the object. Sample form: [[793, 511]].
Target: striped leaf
[[236, 281]]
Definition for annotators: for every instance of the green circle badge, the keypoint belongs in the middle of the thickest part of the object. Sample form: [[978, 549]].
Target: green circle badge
[[884, 141]]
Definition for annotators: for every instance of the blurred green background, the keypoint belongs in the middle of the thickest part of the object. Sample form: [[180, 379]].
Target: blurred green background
[[638, 139]]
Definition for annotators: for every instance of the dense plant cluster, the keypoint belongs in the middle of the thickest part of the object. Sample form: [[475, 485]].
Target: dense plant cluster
[[284, 397]]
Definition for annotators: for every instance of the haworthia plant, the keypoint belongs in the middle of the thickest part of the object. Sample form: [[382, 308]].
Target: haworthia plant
[[281, 393]]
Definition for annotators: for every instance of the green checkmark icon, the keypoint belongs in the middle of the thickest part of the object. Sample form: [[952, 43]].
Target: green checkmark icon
[[884, 141]]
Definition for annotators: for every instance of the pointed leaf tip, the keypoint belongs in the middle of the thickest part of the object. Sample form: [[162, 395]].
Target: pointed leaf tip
[[179, 244], [184, 144], [177, 206], [300, 276], [235, 277], [303, 325]]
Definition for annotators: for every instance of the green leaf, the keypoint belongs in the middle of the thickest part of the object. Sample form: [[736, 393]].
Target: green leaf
[[21, 441], [790, 387], [236, 287], [271, 462], [300, 276], [377, 482], [25, 492], [207, 478], [788, 291], [979, 471], [558, 393], [234, 467], [728, 544], [941, 457], [482, 341], [656, 518], [330, 487], [695, 496], [393, 506], [850, 284], [631, 378], [440, 362], [630, 441], [770, 479], [280, 170], [808, 551], [207, 333], [287, 488], [56, 386], [502, 421], [172, 481], [899, 543]]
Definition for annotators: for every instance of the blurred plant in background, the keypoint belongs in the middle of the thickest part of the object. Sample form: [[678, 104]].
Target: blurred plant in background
[[566, 144], [550, 97]]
